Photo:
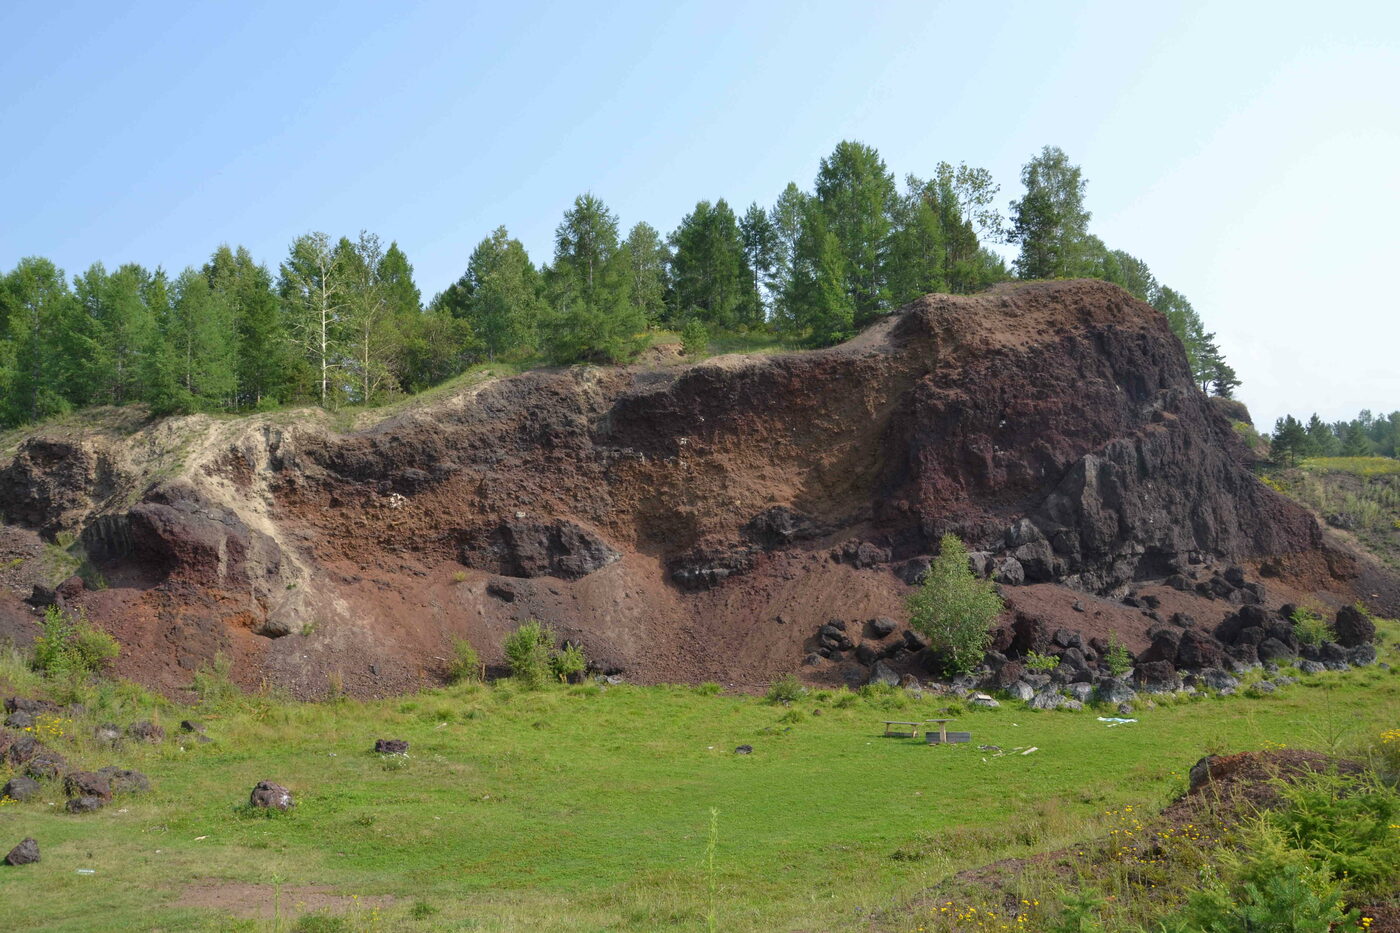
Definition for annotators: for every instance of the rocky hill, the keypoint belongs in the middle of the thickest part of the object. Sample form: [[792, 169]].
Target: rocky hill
[[682, 522]]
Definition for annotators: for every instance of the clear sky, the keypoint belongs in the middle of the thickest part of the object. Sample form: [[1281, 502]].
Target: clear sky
[[1247, 151]]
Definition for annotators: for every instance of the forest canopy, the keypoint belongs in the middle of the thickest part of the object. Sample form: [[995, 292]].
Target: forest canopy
[[340, 321]]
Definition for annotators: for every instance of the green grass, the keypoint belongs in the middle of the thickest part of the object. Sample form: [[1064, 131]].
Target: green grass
[[589, 808], [1357, 466]]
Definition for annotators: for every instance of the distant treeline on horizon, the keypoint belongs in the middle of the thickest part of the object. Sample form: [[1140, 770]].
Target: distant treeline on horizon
[[342, 322], [1366, 435]]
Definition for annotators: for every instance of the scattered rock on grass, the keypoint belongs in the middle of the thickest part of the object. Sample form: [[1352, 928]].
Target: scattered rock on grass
[[270, 795], [190, 725], [123, 781], [87, 784], [146, 731], [107, 734], [26, 853], [391, 746], [84, 804], [20, 787], [46, 766], [744, 750], [981, 699]]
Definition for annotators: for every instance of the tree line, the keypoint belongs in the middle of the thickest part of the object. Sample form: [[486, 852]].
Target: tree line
[[341, 321], [1366, 435]]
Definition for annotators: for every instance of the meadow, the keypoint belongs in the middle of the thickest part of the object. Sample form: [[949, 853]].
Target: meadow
[[606, 807]]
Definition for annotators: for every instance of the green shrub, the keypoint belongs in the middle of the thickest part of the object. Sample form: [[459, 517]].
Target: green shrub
[[1291, 898], [1346, 826], [528, 651], [955, 609], [465, 666], [72, 645], [709, 688], [1310, 627], [695, 339], [567, 662], [785, 689], [1117, 657], [1036, 661]]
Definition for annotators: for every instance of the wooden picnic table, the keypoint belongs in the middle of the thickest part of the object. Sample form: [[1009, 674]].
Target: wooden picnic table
[[942, 728]]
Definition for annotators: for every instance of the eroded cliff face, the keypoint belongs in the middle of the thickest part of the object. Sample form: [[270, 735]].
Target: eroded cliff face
[[683, 523]]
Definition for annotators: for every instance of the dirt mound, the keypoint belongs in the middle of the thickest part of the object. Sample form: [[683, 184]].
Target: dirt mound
[[681, 522]]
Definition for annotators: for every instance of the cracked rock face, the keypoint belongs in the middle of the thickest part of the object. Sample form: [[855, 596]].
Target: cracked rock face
[[653, 514]]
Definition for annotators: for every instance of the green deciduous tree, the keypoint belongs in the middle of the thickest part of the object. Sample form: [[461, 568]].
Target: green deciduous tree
[[954, 608], [857, 194], [592, 317], [36, 312], [709, 277], [313, 293], [816, 295], [264, 355], [1050, 221], [760, 240], [647, 258]]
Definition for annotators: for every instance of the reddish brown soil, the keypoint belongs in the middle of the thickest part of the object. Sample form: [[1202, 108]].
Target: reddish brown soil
[[633, 508]]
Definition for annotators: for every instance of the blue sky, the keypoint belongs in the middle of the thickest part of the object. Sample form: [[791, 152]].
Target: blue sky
[[1246, 151]]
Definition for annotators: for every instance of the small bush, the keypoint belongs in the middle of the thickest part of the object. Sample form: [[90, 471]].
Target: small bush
[[785, 689], [709, 688], [1041, 662], [955, 609], [465, 666], [1345, 825], [528, 651], [1310, 627], [72, 645], [695, 339], [1291, 898], [567, 662], [1117, 657]]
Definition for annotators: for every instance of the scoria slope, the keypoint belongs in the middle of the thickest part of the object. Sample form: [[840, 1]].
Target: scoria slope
[[682, 522]]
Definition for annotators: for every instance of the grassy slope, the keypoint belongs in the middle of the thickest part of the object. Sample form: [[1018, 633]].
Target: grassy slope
[[581, 808], [1365, 491]]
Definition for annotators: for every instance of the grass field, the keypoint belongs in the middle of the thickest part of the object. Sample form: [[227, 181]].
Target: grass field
[[1357, 466], [606, 808]]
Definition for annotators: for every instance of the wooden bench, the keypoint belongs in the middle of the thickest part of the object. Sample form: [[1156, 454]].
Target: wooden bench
[[913, 732]]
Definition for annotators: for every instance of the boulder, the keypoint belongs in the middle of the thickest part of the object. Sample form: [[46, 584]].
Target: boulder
[[1072, 704], [1163, 647], [87, 784], [1081, 691], [1311, 667], [1362, 655], [124, 781], [190, 725], [20, 787], [20, 720], [812, 659], [26, 853], [1020, 691], [146, 731], [21, 749], [84, 804], [981, 699], [1200, 773], [883, 627], [1007, 674], [391, 746], [1008, 570], [1029, 634], [269, 795], [1274, 650], [1114, 690], [1353, 628], [1263, 687], [868, 653], [744, 750], [1217, 679], [525, 548], [1047, 699], [46, 766], [107, 734], [1197, 650], [1156, 677], [27, 705], [882, 673]]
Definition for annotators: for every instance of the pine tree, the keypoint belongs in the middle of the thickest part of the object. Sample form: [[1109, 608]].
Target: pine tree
[[1356, 443], [1321, 441], [857, 193], [1290, 440], [592, 317]]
